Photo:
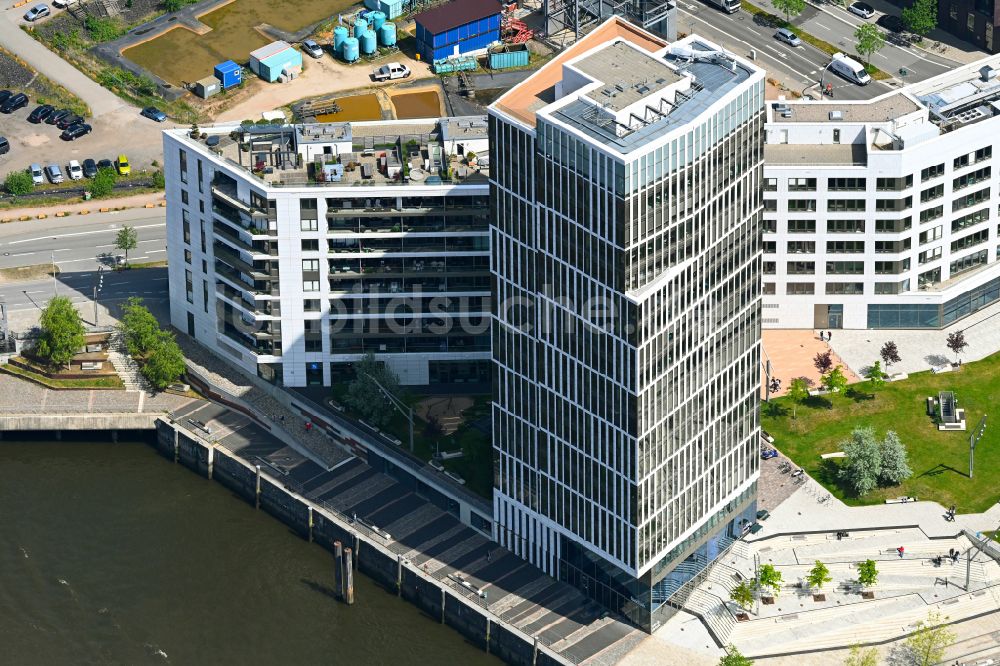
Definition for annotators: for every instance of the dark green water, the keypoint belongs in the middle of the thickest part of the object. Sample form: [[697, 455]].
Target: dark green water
[[110, 554]]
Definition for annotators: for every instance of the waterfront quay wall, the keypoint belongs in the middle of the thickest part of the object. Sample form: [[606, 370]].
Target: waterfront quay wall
[[371, 555], [82, 421]]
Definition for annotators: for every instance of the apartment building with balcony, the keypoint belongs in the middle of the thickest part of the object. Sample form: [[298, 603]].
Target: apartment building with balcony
[[626, 179], [884, 213], [294, 250]]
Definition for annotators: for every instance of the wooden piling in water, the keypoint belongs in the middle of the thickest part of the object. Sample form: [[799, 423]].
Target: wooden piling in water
[[348, 577], [338, 568]]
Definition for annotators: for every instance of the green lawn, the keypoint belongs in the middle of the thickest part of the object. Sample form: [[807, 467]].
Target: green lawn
[[105, 382], [940, 460]]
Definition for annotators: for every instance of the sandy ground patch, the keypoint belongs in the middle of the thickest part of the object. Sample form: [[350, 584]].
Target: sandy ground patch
[[792, 352]]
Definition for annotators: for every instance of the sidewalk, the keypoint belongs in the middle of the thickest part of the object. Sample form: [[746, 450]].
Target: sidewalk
[[792, 351], [148, 200]]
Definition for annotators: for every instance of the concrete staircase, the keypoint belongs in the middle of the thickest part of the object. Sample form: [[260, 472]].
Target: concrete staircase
[[126, 367]]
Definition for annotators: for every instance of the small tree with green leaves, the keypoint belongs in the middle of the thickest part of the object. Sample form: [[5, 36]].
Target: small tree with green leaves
[[890, 353], [928, 643], [921, 17], [734, 658], [835, 380], [62, 332], [19, 183], [895, 461], [867, 573], [789, 7], [104, 183], [876, 376], [863, 465], [742, 594], [818, 576], [127, 239], [139, 327], [364, 394], [861, 657], [769, 578], [798, 391], [868, 40], [164, 363]]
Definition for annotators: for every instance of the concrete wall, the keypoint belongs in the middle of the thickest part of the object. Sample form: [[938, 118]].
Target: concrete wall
[[83, 421], [371, 556]]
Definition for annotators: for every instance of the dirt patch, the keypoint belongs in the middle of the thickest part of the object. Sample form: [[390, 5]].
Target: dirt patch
[[16, 75]]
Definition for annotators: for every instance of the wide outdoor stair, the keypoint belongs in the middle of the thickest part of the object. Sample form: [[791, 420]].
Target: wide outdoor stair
[[711, 609], [125, 366]]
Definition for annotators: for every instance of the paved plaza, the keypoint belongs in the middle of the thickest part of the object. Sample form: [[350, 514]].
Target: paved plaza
[[791, 353], [19, 396]]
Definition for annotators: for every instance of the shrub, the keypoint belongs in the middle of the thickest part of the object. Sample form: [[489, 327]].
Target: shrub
[[19, 183], [103, 29], [158, 181], [104, 183], [62, 332]]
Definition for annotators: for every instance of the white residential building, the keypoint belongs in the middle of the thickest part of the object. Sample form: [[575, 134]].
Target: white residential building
[[626, 179], [884, 213], [296, 249]]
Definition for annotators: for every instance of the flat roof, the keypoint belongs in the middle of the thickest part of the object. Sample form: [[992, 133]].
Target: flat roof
[[523, 100], [456, 13], [628, 75], [839, 154], [894, 106]]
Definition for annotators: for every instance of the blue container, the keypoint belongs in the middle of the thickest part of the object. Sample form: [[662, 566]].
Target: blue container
[[349, 49], [387, 34], [360, 25], [368, 42], [229, 74], [340, 33], [513, 58], [376, 19]]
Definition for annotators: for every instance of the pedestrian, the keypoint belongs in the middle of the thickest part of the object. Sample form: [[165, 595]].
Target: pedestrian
[[822, 337], [489, 553], [829, 336], [900, 551], [282, 419]]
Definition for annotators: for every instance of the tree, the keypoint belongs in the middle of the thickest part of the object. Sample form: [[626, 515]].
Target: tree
[[734, 658], [895, 461], [104, 183], [364, 394], [789, 7], [165, 362], [862, 657], [890, 354], [19, 183], [742, 594], [769, 577], [126, 240], [818, 576], [877, 376], [835, 380], [798, 391], [868, 39], [139, 327], [921, 17], [62, 332], [929, 642], [956, 342], [863, 468], [823, 361], [867, 573]]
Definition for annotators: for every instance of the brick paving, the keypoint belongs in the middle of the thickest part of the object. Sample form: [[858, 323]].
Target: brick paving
[[19, 396], [792, 352]]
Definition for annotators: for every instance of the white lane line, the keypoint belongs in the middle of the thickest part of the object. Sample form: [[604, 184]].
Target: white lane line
[[154, 251], [58, 236], [820, 25]]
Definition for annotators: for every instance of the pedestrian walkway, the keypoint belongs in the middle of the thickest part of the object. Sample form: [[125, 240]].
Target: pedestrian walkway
[[148, 200], [791, 352]]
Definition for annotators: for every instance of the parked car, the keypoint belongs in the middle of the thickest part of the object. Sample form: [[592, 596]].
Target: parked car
[[75, 131], [891, 23], [153, 113], [122, 165], [66, 121], [37, 177], [54, 174], [313, 49], [74, 170], [787, 36], [37, 12], [41, 113], [62, 4], [862, 9], [18, 101], [105, 164], [4, 145], [390, 71], [89, 168], [5, 95], [57, 116]]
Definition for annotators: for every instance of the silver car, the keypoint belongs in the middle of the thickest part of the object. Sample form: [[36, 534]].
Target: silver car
[[36, 12], [787, 36], [312, 48], [54, 173], [37, 177]]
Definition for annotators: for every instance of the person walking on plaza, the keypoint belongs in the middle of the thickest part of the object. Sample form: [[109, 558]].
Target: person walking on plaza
[[900, 551], [829, 336]]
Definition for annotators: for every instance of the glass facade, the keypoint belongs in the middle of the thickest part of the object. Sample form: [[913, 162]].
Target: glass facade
[[893, 315]]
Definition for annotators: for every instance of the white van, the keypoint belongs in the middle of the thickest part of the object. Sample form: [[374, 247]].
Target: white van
[[850, 69]]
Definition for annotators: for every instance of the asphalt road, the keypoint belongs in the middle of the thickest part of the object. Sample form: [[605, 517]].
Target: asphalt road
[[801, 67]]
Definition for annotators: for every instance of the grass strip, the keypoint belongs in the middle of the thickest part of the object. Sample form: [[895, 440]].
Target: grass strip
[[112, 383]]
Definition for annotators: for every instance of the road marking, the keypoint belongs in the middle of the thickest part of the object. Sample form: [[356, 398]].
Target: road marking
[[820, 25], [154, 251], [82, 233], [771, 48]]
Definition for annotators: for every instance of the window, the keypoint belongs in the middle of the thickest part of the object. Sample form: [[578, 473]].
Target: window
[[800, 288], [770, 184], [845, 267], [770, 205], [964, 221], [309, 225], [892, 226], [891, 267], [314, 345], [184, 165], [800, 267], [929, 255], [801, 184], [884, 288], [769, 268], [187, 227], [189, 286], [836, 136], [203, 236], [971, 240], [970, 199], [310, 285], [311, 305], [204, 294], [801, 226], [310, 245], [893, 184], [968, 263], [846, 184], [960, 162], [768, 226], [931, 172], [849, 288], [983, 154], [845, 226], [310, 265], [893, 204], [971, 178], [931, 234], [801, 247], [770, 247], [932, 193], [201, 177], [845, 205], [307, 209], [932, 213], [310, 275], [892, 247], [184, 197], [845, 247], [801, 205], [769, 289], [187, 256]]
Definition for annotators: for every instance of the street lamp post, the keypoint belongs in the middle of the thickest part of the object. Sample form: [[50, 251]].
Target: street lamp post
[[974, 438], [55, 287], [98, 285], [400, 406]]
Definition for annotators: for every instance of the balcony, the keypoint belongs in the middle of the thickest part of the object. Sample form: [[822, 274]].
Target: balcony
[[261, 288], [227, 193], [236, 261]]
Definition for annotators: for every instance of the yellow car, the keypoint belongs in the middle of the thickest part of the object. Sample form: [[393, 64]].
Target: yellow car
[[122, 165]]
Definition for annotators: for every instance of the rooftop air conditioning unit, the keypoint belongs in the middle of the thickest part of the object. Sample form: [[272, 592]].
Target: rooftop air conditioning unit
[[836, 115]]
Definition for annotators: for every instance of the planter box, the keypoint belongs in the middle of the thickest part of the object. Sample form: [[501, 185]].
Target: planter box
[[742, 617], [767, 601], [867, 594], [819, 597]]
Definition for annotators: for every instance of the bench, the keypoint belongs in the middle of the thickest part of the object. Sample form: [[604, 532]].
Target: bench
[[91, 366]]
